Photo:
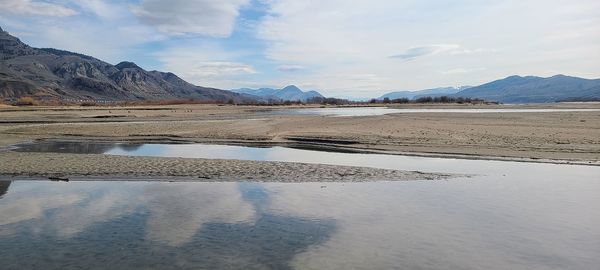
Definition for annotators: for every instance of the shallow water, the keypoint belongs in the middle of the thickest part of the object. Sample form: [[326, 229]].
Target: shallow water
[[477, 223], [369, 111], [286, 154], [510, 215]]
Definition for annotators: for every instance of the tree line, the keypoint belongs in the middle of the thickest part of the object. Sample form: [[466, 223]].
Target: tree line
[[29, 101], [437, 99]]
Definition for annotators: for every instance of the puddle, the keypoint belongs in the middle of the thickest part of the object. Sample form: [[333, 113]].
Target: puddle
[[370, 111], [286, 154], [481, 223]]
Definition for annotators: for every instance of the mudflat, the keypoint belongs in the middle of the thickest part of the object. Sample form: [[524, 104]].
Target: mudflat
[[567, 136]]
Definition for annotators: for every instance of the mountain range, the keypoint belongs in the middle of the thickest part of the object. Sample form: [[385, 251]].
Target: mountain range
[[46, 73], [51, 73], [532, 89], [434, 92], [517, 89], [290, 92]]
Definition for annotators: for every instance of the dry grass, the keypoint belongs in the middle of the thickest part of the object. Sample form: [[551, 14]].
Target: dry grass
[[88, 104], [27, 101], [166, 102]]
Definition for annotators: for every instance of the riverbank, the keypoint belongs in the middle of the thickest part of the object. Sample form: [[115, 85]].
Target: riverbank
[[15, 165], [566, 136]]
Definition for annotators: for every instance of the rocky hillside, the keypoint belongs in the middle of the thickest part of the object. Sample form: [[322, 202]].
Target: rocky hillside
[[57, 74]]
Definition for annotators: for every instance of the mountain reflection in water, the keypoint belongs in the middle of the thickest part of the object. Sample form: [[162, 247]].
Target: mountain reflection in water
[[76, 147], [4, 185]]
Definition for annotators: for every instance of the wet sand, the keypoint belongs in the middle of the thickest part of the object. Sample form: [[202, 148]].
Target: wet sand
[[544, 137], [107, 167]]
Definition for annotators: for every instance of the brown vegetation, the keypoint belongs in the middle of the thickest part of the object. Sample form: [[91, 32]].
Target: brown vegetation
[[88, 103], [165, 102], [27, 101]]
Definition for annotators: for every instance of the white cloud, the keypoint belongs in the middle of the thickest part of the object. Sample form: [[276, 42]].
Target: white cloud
[[337, 46], [108, 44], [290, 68], [206, 17], [29, 7], [461, 70], [417, 52], [450, 49], [216, 69], [102, 29], [205, 65], [100, 8], [341, 40]]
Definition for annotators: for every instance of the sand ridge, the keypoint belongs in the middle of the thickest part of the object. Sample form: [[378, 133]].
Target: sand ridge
[[82, 166]]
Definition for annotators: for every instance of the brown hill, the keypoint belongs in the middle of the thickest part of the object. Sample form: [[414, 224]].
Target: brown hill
[[52, 73]]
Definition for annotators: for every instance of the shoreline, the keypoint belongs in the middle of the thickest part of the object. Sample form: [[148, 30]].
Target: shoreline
[[336, 148], [34, 165], [570, 138]]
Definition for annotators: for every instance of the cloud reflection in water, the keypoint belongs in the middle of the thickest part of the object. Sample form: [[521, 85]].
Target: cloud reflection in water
[[145, 225]]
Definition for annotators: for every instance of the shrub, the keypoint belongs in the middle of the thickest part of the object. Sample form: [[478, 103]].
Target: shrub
[[401, 100], [88, 103], [27, 101]]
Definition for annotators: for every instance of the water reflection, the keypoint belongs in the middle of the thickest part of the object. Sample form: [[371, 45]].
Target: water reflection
[[4, 185], [66, 147], [129, 147], [482, 223], [179, 210], [75, 147], [286, 154], [488, 223], [511, 216], [96, 225], [35, 202]]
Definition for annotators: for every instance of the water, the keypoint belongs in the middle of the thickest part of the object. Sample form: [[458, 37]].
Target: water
[[480, 223], [287, 154], [370, 111], [510, 215]]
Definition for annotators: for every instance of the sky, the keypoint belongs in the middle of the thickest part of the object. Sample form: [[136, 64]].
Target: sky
[[359, 48]]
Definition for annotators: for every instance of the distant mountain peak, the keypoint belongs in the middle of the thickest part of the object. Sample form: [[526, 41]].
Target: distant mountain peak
[[291, 87], [290, 92], [126, 64], [12, 47]]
